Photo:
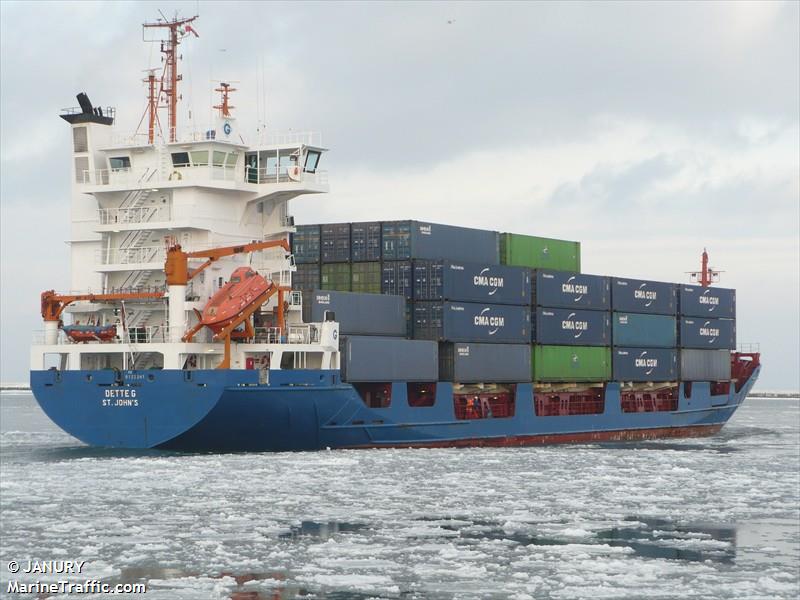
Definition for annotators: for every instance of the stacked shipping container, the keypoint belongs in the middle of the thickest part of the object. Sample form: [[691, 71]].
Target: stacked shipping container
[[485, 297]]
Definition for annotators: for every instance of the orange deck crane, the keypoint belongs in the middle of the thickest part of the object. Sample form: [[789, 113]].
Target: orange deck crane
[[53, 304], [178, 273]]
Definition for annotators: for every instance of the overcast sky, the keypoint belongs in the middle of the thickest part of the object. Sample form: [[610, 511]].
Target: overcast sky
[[645, 130]]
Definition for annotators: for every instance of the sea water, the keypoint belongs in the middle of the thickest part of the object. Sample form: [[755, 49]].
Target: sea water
[[704, 518]]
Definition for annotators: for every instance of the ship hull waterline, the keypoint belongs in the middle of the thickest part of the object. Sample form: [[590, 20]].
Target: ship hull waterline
[[230, 411]]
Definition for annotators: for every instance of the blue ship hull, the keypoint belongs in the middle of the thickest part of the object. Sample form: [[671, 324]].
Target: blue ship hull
[[229, 411]]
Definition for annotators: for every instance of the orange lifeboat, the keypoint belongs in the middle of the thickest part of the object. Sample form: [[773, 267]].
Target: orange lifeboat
[[90, 333], [244, 287]]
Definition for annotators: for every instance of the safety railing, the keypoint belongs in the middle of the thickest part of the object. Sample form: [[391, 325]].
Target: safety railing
[[131, 256], [285, 138], [748, 347], [142, 214], [282, 175]]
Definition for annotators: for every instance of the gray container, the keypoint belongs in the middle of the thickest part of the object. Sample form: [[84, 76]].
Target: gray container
[[335, 242], [707, 333], [404, 240], [705, 365], [647, 331], [471, 282], [643, 296], [472, 322], [571, 290], [698, 301], [381, 359], [360, 314], [568, 327], [397, 279], [365, 241], [644, 364], [484, 363], [306, 244]]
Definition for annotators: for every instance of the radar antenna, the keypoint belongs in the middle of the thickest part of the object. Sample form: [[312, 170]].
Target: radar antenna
[[706, 275], [177, 29], [223, 107]]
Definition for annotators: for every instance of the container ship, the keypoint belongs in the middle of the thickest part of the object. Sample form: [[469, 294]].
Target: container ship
[[202, 318]]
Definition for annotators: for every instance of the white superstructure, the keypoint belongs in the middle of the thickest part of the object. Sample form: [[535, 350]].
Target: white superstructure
[[135, 195]]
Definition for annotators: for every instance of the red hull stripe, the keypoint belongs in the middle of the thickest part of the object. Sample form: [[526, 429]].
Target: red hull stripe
[[623, 435]]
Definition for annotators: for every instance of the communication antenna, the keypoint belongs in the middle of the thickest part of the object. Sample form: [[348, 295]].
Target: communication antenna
[[706, 275], [225, 89], [177, 29]]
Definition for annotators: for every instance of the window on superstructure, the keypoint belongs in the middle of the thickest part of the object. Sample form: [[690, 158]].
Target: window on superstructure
[[219, 158], [180, 159], [199, 158], [80, 141], [312, 160], [232, 159], [118, 163]]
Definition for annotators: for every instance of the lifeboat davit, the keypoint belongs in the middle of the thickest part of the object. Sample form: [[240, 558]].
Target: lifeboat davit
[[90, 333], [244, 287]]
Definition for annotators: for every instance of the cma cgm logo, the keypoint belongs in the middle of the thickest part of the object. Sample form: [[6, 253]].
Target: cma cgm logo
[[645, 363], [579, 289], [578, 327], [711, 301], [643, 294], [711, 332], [486, 320], [482, 279]]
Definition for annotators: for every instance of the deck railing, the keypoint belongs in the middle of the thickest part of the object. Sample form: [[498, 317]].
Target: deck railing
[[142, 214]]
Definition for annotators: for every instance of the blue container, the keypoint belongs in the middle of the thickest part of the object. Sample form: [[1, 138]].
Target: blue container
[[360, 314], [698, 301], [641, 296], [471, 282], [647, 331], [379, 359], [365, 241], [484, 363], [472, 322], [714, 334], [566, 327], [397, 278], [305, 242], [335, 242], [571, 290], [644, 364], [404, 240]]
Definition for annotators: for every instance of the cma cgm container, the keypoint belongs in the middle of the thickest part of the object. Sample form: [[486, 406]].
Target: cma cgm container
[[654, 331], [641, 296], [464, 362], [336, 276], [539, 253], [707, 333], [571, 290], [366, 277], [563, 326], [365, 241], [705, 365], [360, 314], [306, 244], [471, 282], [571, 363], [405, 240], [397, 278], [335, 242], [644, 364], [472, 322], [388, 359], [697, 301]]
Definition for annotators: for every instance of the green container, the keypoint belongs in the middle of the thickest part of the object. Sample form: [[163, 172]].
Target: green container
[[335, 277], [366, 277], [571, 363], [540, 253]]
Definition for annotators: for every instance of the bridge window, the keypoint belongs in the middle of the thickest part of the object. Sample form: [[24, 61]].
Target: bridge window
[[119, 162], [180, 159], [199, 158], [219, 158], [312, 160]]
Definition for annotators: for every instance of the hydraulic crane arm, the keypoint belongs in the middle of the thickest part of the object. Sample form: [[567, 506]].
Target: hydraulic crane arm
[[54, 304], [177, 269]]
